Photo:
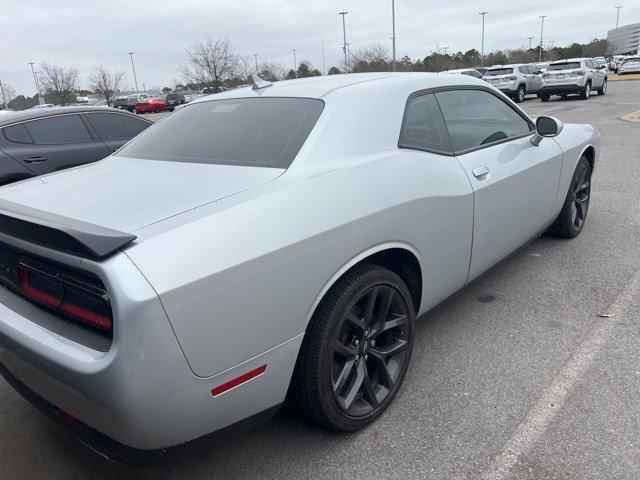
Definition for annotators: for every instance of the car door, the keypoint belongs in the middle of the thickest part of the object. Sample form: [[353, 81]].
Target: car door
[[115, 129], [10, 169], [59, 142], [515, 183], [535, 79], [524, 73]]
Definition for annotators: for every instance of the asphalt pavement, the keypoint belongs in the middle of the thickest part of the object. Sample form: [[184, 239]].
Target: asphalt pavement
[[530, 372]]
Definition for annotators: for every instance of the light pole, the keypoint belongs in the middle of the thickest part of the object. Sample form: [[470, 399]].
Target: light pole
[[529, 51], [255, 59], [324, 63], [295, 62], [35, 80], [542, 17], [618, 7], [135, 80], [344, 39], [445, 49], [393, 38], [482, 47], [4, 99]]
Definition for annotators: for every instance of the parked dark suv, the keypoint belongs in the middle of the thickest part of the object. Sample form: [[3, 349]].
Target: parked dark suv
[[174, 99], [34, 142]]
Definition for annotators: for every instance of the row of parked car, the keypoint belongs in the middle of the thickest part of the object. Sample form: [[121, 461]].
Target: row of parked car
[[146, 103], [579, 76]]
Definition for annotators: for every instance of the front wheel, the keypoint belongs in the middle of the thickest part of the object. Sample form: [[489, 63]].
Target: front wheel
[[603, 89], [519, 95], [574, 211], [356, 351]]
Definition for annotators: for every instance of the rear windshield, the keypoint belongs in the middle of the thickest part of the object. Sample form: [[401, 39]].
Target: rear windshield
[[564, 66], [498, 71], [259, 132]]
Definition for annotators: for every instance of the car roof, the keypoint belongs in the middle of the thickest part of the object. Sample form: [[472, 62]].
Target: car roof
[[566, 60], [30, 114], [321, 87]]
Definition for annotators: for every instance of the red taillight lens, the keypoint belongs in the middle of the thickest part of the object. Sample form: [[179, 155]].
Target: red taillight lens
[[89, 309], [577, 73], [38, 287], [511, 77]]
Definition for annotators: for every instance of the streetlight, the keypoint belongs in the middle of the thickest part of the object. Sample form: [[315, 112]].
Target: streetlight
[[324, 63], [4, 99], [618, 7], [135, 80], [393, 38], [529, 51], [482, 48], [295, 63], [255, 59], [35, 80], [542, 17], [344, 39]]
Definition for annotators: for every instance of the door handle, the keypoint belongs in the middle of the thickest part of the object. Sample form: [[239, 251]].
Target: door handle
[[481, 172], [35, 160]]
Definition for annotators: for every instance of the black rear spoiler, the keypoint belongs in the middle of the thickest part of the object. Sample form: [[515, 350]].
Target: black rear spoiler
[[60, 233]]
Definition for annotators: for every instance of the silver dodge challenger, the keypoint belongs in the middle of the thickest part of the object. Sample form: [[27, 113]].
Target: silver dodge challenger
[[275, 241]]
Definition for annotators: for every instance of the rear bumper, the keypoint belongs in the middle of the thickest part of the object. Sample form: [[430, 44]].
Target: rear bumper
[[560, 89], [141, 393]]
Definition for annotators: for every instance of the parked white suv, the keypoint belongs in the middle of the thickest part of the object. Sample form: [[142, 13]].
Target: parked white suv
[[514, 80], [630, 64], [573, 76]]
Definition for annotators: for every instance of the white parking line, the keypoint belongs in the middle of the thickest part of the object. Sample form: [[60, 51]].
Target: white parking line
[[552, 400]]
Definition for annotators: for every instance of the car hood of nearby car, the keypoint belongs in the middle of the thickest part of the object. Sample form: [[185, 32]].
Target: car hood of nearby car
[[127, 194]]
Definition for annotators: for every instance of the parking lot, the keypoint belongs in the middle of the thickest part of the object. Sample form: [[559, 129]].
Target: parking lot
[[516, 376]]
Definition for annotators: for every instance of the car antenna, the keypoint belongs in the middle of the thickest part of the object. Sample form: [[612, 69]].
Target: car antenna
[[259, 83]]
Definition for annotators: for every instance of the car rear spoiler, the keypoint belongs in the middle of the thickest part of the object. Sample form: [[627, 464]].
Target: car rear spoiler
[[60, 233]]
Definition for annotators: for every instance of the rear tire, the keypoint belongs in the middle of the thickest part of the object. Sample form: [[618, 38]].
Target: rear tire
[[585, 93], [573, 215], [603, 89], [519, 95], [544, 97], [342, 378]]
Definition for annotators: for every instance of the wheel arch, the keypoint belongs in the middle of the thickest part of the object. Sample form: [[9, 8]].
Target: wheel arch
[[401, 258], [590, 154]]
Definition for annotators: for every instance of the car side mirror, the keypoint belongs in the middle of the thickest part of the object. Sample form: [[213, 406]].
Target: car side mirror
[[546, 127]]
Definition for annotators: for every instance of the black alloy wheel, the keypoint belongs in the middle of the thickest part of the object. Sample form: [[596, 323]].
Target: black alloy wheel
[[572, 217], [370, 350]]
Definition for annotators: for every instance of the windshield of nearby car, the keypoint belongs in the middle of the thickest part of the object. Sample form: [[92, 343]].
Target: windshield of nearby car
[[260, 132], [564, 66], [492, 72]]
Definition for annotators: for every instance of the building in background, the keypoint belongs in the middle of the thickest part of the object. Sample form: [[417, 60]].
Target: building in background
[[625, 40]]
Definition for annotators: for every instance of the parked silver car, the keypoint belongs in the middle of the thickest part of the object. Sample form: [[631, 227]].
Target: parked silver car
[[472, 72], [573, 76], [222, 259], [515, 80], [630, 64]]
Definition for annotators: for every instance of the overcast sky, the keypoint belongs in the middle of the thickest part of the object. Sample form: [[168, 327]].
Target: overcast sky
[[86, 33]]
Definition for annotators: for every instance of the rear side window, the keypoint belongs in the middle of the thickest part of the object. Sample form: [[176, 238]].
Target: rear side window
[[17, 133], [59, 130], [475, 118], [259, 132], [116, 126], [423, 127]]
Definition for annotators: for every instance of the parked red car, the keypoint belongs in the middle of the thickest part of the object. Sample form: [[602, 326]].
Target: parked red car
[[151, 105]]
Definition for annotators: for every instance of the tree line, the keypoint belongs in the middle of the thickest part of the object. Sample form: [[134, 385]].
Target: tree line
[[212, 64]]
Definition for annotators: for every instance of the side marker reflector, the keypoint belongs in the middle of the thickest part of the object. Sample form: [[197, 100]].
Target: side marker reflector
[[245, 377]]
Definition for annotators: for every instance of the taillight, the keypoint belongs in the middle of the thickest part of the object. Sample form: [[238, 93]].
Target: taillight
[[511, 77], [65, 297], [577, 73]]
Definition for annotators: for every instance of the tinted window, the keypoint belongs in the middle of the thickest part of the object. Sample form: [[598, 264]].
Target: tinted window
[[114, 126], [175, 96], [474, 118], [498, 71], [423, 127], [564, 66], [262, 132], [472, 73], [59, 130], [17, 133], [523, 69]]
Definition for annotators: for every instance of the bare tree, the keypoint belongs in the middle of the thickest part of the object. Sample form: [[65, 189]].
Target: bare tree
[[272, 70], [7, 93], [106, 83], [371, 57], [209, 61], [59, 83]]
